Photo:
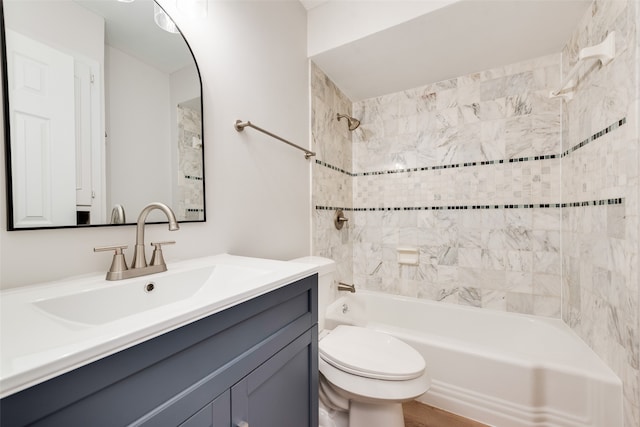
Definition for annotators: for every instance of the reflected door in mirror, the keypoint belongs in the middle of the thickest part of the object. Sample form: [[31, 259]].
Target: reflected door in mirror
[[104, 114]]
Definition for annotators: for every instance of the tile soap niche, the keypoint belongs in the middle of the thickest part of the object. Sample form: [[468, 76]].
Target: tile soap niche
[[408, 255]]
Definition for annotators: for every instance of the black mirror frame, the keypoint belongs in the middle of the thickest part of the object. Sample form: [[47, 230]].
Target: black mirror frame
[[7, 140]]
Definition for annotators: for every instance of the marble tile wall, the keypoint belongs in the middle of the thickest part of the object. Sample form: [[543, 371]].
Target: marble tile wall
[[503, 259], [331, 183], [190, 198], [600, 244], [468, 171]]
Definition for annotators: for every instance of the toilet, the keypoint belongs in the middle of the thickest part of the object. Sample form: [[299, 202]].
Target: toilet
[[365, 375]]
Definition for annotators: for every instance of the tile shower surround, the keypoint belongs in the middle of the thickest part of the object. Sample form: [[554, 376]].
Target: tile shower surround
[[440, 141], [592, 138], [581, 226], [516, 279], [499, 256], [468, 171], [190, 198], [583, 143], [600, 245], [331, 140]]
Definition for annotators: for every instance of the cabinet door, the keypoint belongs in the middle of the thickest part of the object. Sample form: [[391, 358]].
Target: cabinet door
[[215, 414], [282, 392]]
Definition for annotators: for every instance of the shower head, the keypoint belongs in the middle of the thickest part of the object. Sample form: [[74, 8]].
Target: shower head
[[352, 123]]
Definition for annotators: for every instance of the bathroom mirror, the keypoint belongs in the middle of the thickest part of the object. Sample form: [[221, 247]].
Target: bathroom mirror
[[103, 114]]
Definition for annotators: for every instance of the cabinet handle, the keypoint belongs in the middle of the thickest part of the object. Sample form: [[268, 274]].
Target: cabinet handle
[[242, 424]]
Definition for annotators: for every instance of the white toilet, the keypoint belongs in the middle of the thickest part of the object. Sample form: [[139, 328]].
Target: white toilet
[[363, 373]]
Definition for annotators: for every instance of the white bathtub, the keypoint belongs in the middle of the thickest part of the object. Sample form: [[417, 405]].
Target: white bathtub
[[502, 369]]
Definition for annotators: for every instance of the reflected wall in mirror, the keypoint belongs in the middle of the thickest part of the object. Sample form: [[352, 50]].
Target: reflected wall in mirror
[[103, 115]]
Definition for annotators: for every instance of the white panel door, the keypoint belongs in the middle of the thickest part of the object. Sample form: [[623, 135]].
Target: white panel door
[[84, 187], [41, 93], [89, 139]]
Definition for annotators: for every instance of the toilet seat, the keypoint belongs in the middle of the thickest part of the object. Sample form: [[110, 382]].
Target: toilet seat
[[362, 389], [371, 354]]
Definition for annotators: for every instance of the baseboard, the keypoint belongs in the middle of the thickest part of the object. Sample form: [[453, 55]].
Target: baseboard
[[496, 412]]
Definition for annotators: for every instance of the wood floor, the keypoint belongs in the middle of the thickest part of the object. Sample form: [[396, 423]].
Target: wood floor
[[417, 414]]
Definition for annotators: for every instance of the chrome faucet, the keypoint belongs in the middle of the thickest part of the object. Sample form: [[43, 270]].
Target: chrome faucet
[[139, 257], [346, 287], [139, 266]]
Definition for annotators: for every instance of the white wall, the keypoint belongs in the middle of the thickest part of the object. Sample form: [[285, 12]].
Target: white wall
[[138, 125], [184, 86], [353, 20], [252, 56], [49, 22]]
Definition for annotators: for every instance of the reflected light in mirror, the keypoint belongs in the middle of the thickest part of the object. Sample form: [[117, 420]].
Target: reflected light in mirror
[[192, 8], [163, 21]]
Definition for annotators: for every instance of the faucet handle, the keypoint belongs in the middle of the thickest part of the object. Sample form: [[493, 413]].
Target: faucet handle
[[168, 242], [118, 264], [157, 258], [117, 248]]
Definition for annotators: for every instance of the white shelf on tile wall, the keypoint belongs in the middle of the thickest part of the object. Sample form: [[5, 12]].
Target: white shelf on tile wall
[[408, 255]]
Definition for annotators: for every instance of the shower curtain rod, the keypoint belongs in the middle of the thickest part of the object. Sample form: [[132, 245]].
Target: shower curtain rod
[[240, 125]]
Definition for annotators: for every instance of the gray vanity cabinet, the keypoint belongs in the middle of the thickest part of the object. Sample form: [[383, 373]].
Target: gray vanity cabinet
[[270, 395], [217, 413], [255, 362]]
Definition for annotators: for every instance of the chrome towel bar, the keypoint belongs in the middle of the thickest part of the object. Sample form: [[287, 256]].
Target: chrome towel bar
[[240, 125]]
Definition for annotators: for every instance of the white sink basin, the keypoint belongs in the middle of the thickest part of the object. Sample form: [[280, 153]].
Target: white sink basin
[[50, 328], [115, 300]]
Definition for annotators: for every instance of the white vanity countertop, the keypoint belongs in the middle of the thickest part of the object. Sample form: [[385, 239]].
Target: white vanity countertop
[[36, 345]]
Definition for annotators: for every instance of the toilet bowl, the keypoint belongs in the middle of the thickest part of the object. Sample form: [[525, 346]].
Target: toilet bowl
[[363, 373], [373, 372]]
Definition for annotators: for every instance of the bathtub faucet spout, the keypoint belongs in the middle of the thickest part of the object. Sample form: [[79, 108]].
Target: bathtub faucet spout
[[345, 287]]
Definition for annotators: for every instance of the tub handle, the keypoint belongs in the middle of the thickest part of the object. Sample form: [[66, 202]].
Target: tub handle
[[339, 219]]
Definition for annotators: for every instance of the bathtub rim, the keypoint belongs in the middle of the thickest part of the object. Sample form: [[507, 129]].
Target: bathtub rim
[[480, 403], [603, 371]]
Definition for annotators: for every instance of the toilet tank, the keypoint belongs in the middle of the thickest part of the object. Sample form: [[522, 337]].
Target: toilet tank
[[326, 272]]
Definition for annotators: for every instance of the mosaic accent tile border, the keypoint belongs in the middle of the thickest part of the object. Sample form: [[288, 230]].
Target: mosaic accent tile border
[[458, 165], [581, 144], [595, 136], [335, 168], [602, 202]]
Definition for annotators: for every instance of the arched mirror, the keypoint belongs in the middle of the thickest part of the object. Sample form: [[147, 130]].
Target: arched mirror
[[103, 114]]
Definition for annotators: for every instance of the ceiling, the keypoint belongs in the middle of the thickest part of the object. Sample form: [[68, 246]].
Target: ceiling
[[130, 28], [310, 4], [456, 40]]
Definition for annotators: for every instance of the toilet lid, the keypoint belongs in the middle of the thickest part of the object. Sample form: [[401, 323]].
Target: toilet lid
[[370, 354]]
